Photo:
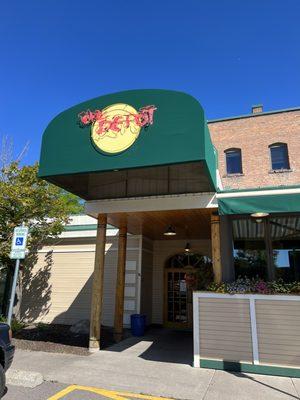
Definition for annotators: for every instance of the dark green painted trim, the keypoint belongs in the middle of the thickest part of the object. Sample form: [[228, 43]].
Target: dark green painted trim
[[251, 368], [210, 121], [89, 227]]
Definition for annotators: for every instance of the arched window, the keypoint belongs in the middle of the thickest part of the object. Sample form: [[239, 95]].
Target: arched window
[[233, 161], [279, 156]]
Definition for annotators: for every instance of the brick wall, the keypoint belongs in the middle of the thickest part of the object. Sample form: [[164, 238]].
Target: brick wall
[[253, 135]]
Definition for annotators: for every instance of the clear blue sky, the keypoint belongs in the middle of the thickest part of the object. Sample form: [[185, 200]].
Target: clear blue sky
[[229, 54]]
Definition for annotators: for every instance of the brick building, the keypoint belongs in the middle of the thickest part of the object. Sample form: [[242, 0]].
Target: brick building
[[253, 135]]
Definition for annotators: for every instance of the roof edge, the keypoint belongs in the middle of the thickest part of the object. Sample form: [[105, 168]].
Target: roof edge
[[209, 121]]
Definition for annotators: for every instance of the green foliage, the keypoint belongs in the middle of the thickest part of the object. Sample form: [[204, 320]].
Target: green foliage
[[16, 325], [42, 326], [43, 207], [205, 275], [255, 285], [251, 263]]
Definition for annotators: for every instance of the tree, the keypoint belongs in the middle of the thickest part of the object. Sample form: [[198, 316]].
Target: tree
[[43, 207]]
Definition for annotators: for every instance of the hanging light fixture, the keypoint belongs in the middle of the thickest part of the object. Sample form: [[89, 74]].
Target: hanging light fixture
[[187, 248], [170, 231], [259, 216]]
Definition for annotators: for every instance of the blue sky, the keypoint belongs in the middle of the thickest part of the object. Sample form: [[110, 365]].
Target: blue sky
[[229, 54]]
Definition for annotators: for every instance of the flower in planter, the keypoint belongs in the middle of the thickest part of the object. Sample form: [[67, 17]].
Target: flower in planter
[[261, 287]]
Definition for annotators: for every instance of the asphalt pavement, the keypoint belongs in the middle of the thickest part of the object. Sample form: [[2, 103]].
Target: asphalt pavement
[[57, 391], [138, 365], [44, 391]]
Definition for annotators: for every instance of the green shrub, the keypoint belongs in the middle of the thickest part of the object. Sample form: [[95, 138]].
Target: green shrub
[[15, 325], [42, 326]]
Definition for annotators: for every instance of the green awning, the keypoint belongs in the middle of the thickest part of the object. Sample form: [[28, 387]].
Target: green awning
[[178, 136], [269, 200]]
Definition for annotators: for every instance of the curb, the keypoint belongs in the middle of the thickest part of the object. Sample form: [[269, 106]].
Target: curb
[[23, 378]]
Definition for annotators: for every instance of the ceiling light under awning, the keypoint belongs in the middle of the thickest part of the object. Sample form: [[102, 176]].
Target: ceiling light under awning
[[170, 231]]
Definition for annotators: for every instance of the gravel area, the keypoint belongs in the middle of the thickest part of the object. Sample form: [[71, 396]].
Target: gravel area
[[58, 339]]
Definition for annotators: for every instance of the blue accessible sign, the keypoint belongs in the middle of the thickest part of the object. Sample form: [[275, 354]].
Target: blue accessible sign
[[19, 242]]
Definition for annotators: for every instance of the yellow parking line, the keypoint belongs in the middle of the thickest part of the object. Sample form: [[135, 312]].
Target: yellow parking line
[[111, 394], [107, 393], [63, 392], [142, 396]]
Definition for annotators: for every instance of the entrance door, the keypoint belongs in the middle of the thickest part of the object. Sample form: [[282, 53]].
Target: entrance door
[[178, 298], [182, 277]]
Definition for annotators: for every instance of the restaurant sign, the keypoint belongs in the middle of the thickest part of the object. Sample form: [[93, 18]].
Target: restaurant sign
[[116, 127]]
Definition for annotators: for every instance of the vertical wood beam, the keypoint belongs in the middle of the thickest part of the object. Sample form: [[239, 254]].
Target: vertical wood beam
[[216, 248], [120, 286], [97, 288]]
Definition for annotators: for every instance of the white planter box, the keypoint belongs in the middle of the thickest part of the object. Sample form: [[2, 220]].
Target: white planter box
[[246, 330]]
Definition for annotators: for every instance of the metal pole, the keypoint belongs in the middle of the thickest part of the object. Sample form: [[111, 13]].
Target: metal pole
[[13, 292]]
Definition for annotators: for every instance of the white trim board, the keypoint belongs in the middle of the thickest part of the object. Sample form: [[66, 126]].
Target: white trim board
[[264, 192], [255, 353], [151, 203]]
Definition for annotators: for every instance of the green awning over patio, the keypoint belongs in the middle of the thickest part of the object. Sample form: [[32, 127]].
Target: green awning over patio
[[178, 135], [268, 200]]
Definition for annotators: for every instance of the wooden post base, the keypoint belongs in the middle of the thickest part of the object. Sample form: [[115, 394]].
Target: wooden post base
[[94, 345]]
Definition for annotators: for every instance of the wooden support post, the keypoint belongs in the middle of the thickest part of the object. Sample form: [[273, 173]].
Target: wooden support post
[[97, 289], [216, 248], [119, 304]]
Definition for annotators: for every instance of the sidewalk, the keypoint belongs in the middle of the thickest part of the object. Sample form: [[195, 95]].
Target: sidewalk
[[122, 367]]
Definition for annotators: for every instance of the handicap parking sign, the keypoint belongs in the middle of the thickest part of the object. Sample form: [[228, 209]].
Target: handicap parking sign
[[19, 241]]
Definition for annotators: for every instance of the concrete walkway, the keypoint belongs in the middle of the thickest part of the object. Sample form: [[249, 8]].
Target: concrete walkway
[[148, 366]]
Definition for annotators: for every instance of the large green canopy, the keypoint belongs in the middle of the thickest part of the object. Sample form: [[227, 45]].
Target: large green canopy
[[268, 200], [178, 136]]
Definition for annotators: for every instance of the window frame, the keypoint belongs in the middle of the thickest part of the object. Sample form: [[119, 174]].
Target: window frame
[[231, 150], [285, 147]]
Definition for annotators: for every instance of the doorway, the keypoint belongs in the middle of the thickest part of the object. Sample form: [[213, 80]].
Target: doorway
[[181, 279]]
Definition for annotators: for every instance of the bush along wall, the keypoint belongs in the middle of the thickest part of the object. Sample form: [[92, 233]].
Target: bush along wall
[[255, 286]]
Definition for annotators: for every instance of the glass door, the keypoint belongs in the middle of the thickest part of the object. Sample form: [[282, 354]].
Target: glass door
[[178, 299]]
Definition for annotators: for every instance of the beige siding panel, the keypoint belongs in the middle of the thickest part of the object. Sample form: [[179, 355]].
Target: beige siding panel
[[278, 328], [234, 336], [162, 251], [58, 288], [230, 355], [224, 329]]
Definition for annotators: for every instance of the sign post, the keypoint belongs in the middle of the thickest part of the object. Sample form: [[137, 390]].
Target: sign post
[[17, 253]]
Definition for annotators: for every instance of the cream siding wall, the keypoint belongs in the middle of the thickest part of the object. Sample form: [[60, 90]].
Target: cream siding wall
[[162, 250], [58, 289], [146, 279]]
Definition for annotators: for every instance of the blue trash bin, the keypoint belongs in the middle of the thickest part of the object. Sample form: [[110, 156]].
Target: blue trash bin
[[138, 324]]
